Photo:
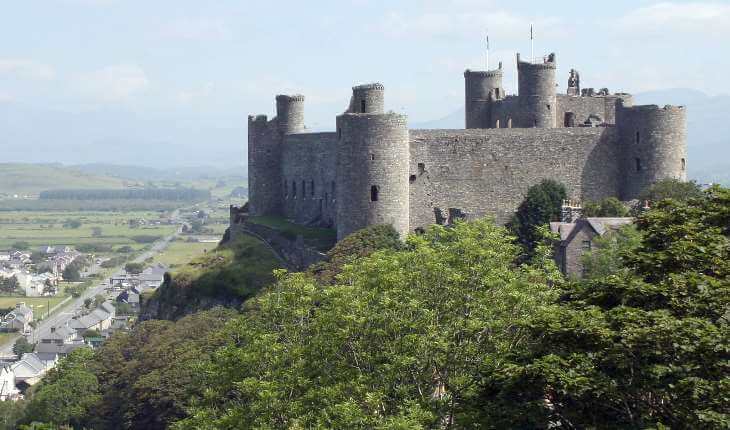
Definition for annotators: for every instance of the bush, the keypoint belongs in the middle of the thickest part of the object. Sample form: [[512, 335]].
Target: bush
[[608, 207], [146, 238]]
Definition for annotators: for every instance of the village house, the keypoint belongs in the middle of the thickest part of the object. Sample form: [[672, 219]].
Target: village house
[[19, 319]]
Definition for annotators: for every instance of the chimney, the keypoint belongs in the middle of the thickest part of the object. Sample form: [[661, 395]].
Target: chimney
[[570, 211]]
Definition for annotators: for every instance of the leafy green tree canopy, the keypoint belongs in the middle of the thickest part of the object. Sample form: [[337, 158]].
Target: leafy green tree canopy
[[541, 205]]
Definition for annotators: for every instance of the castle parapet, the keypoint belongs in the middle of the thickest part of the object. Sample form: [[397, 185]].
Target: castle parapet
[[290, 113], [482, 88], [368, 98], [654, 145]]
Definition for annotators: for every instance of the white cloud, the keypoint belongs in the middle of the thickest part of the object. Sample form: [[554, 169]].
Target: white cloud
[[667, 17], [463, 19], [26, 69], [204, 29], [113, 83], [195, 94]]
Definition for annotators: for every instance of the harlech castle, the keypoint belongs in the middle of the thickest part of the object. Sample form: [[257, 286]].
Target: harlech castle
[[373, 170]]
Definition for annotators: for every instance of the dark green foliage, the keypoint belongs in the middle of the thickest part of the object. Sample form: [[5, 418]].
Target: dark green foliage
[[146, 238], [72, 223], [608, 207], [91, 248], [542, 205], [71, 273], [357, 245], [148, 377], [608, 257], [20, 245], [9, 285], [113, 262], [172, 194], [22, 346], [68, 393], [645, 348], [671, 189], [134, 268]]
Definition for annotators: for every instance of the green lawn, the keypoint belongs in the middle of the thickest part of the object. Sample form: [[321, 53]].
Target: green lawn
[[320, 238], [181, 252], [39, 305]]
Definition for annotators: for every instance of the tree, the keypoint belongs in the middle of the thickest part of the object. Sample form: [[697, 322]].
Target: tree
[[72, 223], [608, 207], [91, 333], [67, 393], [134, 268], [400, 340], [9, 285], [21, 245], [96, 232], [542, 204], [644, 348], [671, 189], [22, 346], [98, 300], [71, 273], [88, 302]]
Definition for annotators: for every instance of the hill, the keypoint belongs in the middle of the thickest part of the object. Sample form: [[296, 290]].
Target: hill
[[31, 179]]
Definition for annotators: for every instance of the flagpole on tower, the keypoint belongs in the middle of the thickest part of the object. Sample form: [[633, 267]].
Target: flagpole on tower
[[487, 50], [532, 45]]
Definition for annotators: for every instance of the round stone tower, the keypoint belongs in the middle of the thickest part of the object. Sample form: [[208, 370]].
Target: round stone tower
[[481, 89], [290, 113], [372, 172], [369, 98], [536, 91], [264, 167], [654, 145]]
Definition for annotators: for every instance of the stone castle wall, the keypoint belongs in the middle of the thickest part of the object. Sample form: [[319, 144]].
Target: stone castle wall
[[488, 172], [308, 171]]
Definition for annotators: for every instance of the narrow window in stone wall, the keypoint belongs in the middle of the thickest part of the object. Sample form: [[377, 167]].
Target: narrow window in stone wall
[[311, 188], [362, 106], [339, 133], [304, 189], [294, 189], [496, 124], [586, 245], [374, 193], [548, 107], [372, 157], [638, 137], [638, 164], [684, 164]]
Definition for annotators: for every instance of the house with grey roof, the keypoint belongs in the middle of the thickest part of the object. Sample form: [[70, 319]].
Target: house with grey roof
[[99, 319], [577, 238], [60, 341], [30, 369], [18, 319]]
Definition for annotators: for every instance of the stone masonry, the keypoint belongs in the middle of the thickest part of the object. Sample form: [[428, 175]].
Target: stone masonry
[[373, 170]]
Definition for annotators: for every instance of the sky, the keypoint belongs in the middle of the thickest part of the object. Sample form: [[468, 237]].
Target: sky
[[183, 73]]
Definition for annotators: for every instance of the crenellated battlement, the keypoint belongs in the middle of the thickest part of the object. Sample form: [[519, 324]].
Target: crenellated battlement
[[373, 170], [373, 86], [290, 98]]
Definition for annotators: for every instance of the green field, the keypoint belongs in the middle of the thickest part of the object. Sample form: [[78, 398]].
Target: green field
[[47, 228], [181, 252], [31, 179], [39, 305]]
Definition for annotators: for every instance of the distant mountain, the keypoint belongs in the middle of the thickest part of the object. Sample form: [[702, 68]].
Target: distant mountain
[[170, 174], [118, 136], [31, 179], [708, 129]]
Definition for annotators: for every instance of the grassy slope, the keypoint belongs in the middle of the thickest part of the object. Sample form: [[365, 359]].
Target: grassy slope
[[226, 276], [33, 178]]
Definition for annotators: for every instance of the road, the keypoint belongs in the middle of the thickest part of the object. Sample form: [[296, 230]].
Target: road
[[70, 309]]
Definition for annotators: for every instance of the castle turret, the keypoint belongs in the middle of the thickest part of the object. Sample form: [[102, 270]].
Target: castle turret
[[264, 166], [536, 91], [654, 145], [481, 90], [290, 113], [372, 171], [369, 98]]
